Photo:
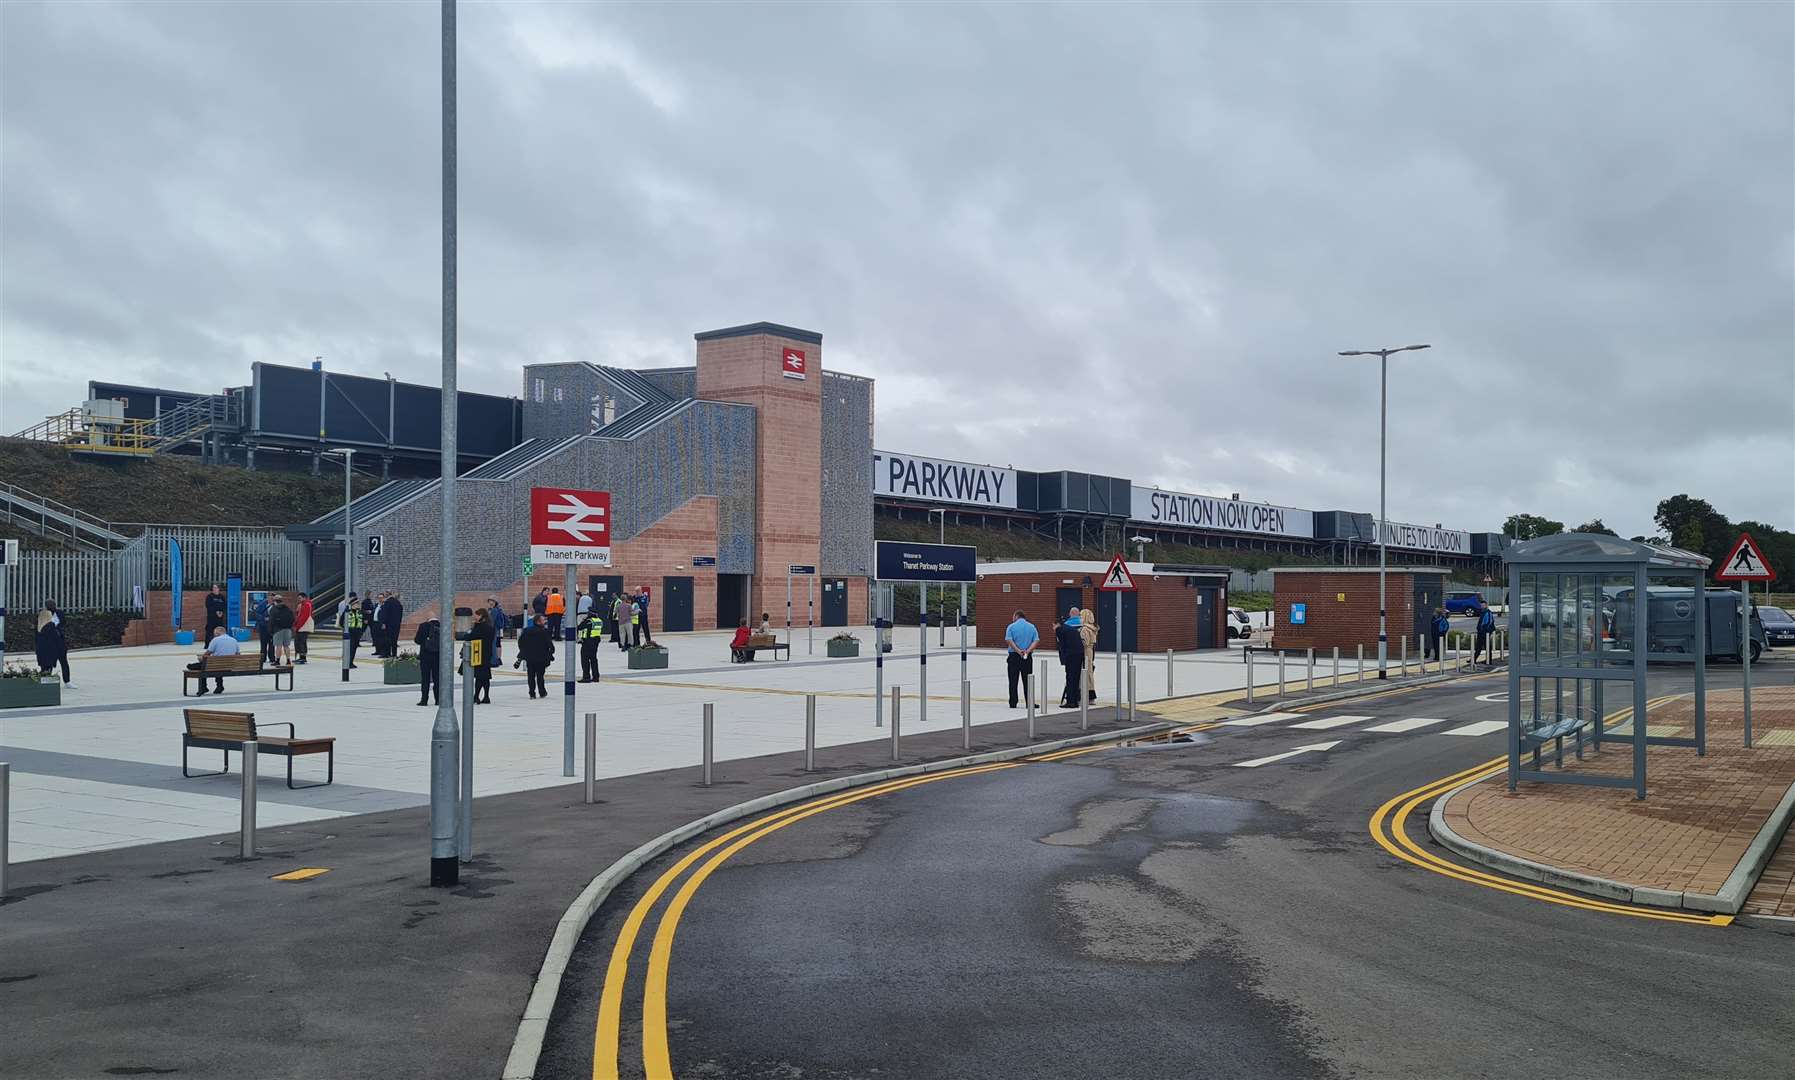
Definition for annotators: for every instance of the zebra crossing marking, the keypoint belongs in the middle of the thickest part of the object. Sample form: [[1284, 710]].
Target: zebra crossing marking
[[1481, 727], [1255, 721], [1327, 722], [1398, 727]]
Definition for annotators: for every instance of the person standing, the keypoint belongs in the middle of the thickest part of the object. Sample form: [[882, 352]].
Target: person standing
[[500, 621], [264, 633], [1021, 637], [556, 609], [487, 635], [352, 618], [302, 626], [52, 645], [1088, 630], [280, 626], [1486, 625], [392, 616], [1070, 647], [647, 635], [591, 633], [216, 609], [1436, 633], [585, 603], [428, 639], [538, 606], [535, 652], [367, 615], [220, 644]]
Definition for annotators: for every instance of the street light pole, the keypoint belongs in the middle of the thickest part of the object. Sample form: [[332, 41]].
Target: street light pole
[[348, 552], [1383, 411], [445, 868], [943, 514]]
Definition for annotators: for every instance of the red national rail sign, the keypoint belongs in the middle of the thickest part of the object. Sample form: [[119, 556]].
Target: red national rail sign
[[570, 526]]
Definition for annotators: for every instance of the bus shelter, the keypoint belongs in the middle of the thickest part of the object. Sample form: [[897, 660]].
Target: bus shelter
[[1587, 614]]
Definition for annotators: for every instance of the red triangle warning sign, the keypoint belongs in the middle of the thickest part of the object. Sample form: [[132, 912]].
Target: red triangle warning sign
[[1744, 563], [1117, 578]]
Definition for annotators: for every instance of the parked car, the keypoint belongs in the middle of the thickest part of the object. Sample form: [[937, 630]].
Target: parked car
[[1779, 626], [1462, 603], [1239, 626]]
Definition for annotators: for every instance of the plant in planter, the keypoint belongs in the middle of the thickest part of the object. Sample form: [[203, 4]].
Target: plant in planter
[[403, 670], [647, 656], [844, 644], [23, 687]]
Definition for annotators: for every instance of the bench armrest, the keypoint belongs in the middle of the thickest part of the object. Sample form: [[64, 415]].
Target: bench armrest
[[276, 723]]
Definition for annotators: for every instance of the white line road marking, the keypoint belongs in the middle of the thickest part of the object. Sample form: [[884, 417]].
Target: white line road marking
[[1256, 762], [1397, 727], [1481, 727], [1331, 722], [1255, 721]]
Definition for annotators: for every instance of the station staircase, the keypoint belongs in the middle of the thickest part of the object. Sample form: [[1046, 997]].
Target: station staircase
[[83, 431], [58, 521]]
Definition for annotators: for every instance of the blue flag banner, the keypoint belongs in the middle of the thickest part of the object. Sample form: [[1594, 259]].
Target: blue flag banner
[[175, 581]]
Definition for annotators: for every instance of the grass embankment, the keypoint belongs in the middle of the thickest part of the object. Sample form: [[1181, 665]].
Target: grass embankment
[[170, 490]]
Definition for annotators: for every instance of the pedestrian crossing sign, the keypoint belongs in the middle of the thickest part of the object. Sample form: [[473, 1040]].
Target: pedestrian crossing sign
[[1117, 578], [1744, 563]]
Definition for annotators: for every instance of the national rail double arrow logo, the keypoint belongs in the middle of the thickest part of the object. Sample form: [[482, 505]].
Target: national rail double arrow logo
[[576, 519]]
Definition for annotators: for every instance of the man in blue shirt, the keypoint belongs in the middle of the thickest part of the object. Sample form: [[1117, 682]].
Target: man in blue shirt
[[1021, 637]]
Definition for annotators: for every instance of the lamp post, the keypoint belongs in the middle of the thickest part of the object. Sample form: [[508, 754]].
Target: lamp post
[[445, 867], [1140, 547], [348, 549], [943, 514], [1383, 411]]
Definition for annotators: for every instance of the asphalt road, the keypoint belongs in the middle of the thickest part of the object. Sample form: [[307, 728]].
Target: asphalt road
[[1158, 911]]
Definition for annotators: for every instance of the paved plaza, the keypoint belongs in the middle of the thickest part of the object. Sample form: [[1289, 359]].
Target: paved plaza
[[103, 770]]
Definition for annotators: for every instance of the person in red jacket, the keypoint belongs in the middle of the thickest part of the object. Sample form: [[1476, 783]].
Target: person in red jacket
[[302, 625], [739, 643]]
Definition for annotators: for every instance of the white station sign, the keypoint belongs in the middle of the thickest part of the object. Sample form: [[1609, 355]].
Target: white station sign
[[1177, 510], [1427, 538], [906, 476]]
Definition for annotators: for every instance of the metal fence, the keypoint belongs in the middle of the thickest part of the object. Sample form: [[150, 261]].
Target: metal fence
[[76, 580], [111, 580], [1249, 581]]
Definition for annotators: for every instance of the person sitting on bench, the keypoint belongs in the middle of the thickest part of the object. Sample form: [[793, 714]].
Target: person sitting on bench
[[222, 644], [738, 645]]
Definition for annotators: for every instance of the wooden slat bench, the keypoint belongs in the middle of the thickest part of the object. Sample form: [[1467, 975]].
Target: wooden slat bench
[[232, 667], [758, 642], [210, 729]]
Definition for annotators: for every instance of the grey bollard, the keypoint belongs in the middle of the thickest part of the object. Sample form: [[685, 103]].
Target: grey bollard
[[710, 730], [591, 758], [1405, 656], [1169, 673], [809, 732], [1131, 698], [1249, 654], [896, 696], [247, 839], [1361, 663], [1028, 691], [5, 822], [965, 715], [1336, 667], [1280, 673], [1310, 660], [567, 744], [1084, 708]]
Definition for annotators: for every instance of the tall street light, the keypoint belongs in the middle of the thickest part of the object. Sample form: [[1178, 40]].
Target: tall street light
[[445, 869], [348, 546], [943, 514], [1383, 412]]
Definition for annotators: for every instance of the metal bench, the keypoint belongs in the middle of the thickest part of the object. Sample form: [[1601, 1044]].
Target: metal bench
[[1553, 730], [233, 667], [210, 729]]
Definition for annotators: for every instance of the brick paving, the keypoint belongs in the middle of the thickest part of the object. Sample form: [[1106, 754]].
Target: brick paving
[[1698, 817]]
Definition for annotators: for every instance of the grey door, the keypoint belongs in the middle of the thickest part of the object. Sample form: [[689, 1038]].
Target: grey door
[[676, 604], [835, 601], [1206, 604]]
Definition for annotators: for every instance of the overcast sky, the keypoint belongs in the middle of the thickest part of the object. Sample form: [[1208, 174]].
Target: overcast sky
[[1122, 239]]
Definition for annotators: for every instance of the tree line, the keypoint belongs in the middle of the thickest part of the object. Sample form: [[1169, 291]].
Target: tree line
[[1684, 522]]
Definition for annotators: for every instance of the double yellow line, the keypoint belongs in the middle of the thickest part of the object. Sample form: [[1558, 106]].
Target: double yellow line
[[1389, 829]]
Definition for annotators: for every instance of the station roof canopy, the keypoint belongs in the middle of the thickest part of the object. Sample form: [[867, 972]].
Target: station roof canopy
[[1596, 548]]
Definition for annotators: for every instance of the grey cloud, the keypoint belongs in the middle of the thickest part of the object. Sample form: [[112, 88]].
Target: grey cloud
[[1122, 238]]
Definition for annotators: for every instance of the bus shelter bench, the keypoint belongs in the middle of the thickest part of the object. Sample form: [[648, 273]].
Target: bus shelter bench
[[209, 729], [759, 642], [1536, 735], [231, 667]]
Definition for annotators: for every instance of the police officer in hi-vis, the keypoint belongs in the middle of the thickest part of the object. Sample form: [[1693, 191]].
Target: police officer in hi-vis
[[591, 633], [356, 617]]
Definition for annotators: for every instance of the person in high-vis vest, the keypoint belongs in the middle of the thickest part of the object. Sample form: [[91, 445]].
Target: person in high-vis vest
[[557, 608], [591, 633], [355, 616], [619, 619]]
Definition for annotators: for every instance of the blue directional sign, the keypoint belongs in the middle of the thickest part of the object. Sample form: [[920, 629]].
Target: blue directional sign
[[900, 560], [704, 560]]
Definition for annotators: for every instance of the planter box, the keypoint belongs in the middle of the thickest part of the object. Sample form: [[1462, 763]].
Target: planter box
[[640, 659], [402, 673], [844, 648], [25, 694]]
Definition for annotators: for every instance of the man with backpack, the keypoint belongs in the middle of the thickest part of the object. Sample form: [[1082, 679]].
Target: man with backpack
[[1486, 625], [1436, 634]]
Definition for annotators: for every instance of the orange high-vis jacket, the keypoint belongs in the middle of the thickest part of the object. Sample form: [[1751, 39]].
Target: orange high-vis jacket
[[557, 604]]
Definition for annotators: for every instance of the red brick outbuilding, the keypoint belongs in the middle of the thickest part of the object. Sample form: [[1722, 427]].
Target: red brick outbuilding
[[1181, 607]]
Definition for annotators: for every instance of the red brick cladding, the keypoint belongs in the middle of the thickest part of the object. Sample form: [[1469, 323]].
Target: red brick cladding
[[158, 607], [788, 450], [1344, 623], [1166, 616]]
